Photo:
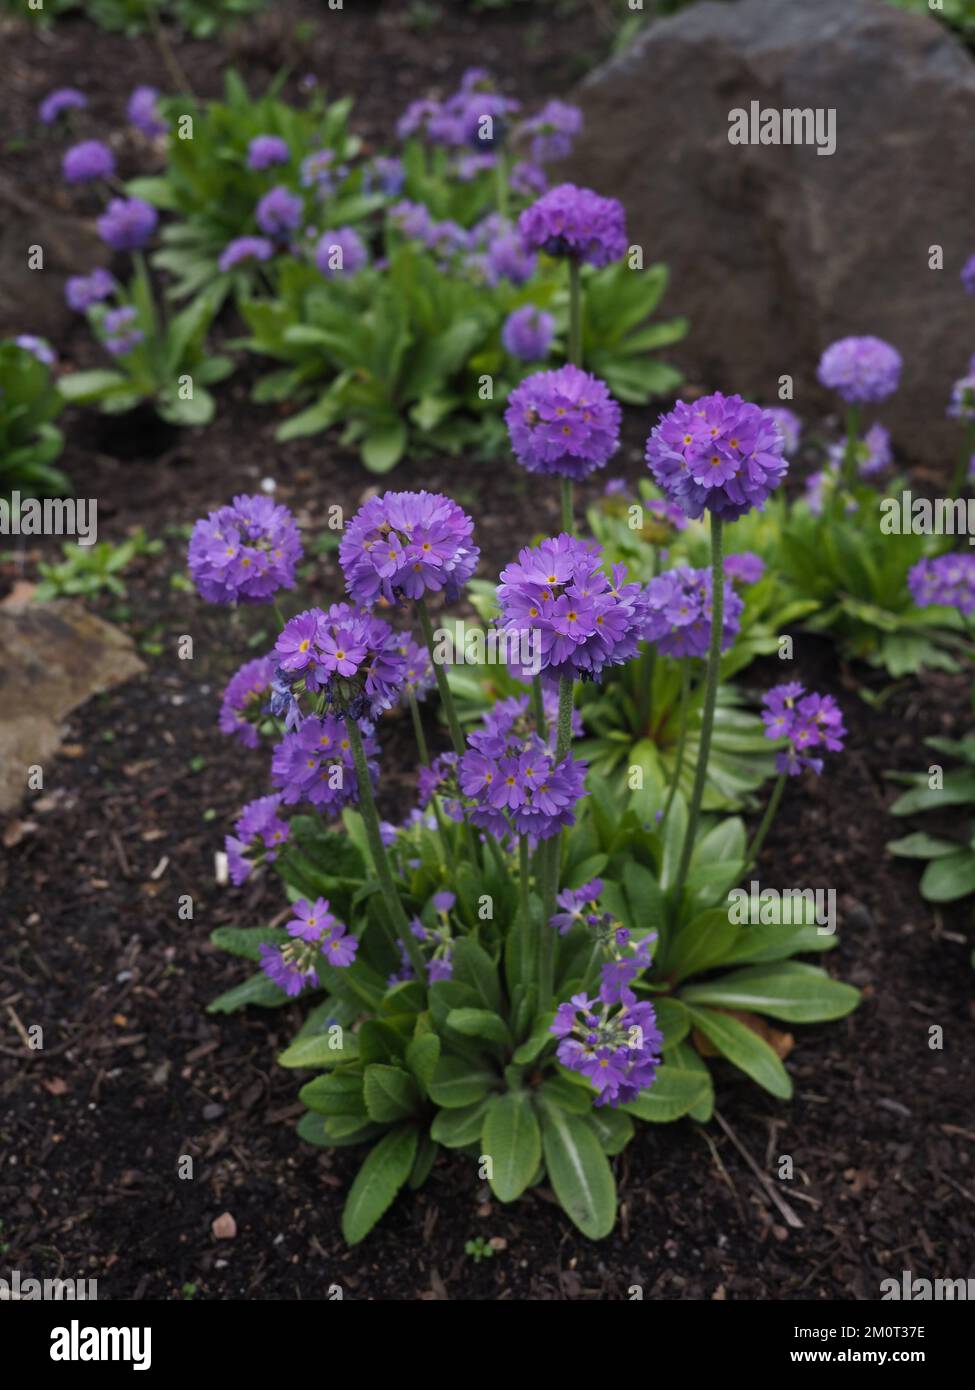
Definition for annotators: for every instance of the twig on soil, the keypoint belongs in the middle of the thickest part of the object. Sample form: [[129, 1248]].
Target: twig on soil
[[788, 1215]]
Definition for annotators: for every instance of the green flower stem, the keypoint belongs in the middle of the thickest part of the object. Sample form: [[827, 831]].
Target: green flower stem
[[527, 934], [755, 848], [538, 707], [446, 699], [551, 858], [685, 699], [568, 506], [169, 60], [852, 448], [967, 449], [418, 734], [377, 851], [710, 700], [645, 668]]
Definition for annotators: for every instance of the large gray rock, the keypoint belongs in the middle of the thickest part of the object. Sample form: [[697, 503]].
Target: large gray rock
[[55, 656], [776, 250]]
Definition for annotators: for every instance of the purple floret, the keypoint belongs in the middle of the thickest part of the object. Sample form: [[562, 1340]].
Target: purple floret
[[679, 611], [348, 658], [264, 151], [789, 425], [315, 764], [127, 224], [947, 580], [514, 782], [563, 422], [88, 161], [259, 835], [575, 222], [719, 453], [404, 545], [245, 248], [37, 347], [341, 252], [552, 130], [527, 333], [317, 938], [246, 552], [245, 700], [279, 212], [82, 291], [60, 100], [144, 114], [806, 721], [860, 369]]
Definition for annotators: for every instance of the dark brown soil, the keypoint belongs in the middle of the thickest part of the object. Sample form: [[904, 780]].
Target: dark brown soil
[[134, 1074]]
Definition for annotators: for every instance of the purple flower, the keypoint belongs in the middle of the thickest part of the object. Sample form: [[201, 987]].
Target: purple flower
[[719, 453], [341, 252], [860, 369], [245, 248], [507, 258], [806, 721], [264, 151], [127, 224], [37, 347], [384, 174], [679, 611], [258, 836], [317, 936], [968, 275], [443, 902], [245, 700], [577, 619], [962, 405], [121, 331], [576, 905], [60, 100], [789, 426], [404, 545], [948, 581], [617, 1048], [144, 114], [513, 781], [279, 212], [575, 222], [246, 552], [527, 179], [88, 161], [82, 291], [418, 677], [563, 422], [440, 968], [412, 219], [315, 764], [745, 567], [873, 452], [527, 333], [347, 657], [552, 131], [317, 170]]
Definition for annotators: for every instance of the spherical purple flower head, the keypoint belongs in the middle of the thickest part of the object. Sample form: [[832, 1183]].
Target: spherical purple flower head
[[968, 275], [575, 222], [948, 581], [404, 545], [516, 783], [245, 700], [258, 836], [341, 252], [860, 369], [82, 291], [60, 100], [745, 567], [617, 1048], [88, 161], [415, 118], [144, 113], [552, 130], [962, 404], [279, 212], [806, 721], [419, 677], [246, 552], [577, 619], [317, 937], [527, 333], [719, 453], [563, 423], [121, 331], [507, 258], [679, 612], [527, 179], [384, 174], [873, 452], [243, 249], [347, 656], [127, 224], [315, 764], [412, 219], [37, 347], [264, 151], [789, 426]]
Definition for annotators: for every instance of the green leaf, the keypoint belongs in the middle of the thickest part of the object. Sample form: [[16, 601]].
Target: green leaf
[[340, 1094], [673, 1093], [946, 880], [702, 944], [247, 941], [383, 448], [473, 966], [921, 846], [321, 1050], [512, 1140], [83, 388], [457, 1083], [390, 1093], [324, 1131], [256, 989], [377, 1182], [422, 1056], [479, 1023], [455, 1129], [745, 1049], [579, 1172], [612, 1128], [791, 991]]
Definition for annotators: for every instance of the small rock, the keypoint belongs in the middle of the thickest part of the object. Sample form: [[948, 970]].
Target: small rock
[[224, 1227]]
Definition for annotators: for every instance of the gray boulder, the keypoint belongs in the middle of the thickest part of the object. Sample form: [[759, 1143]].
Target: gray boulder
[[776, 250]]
